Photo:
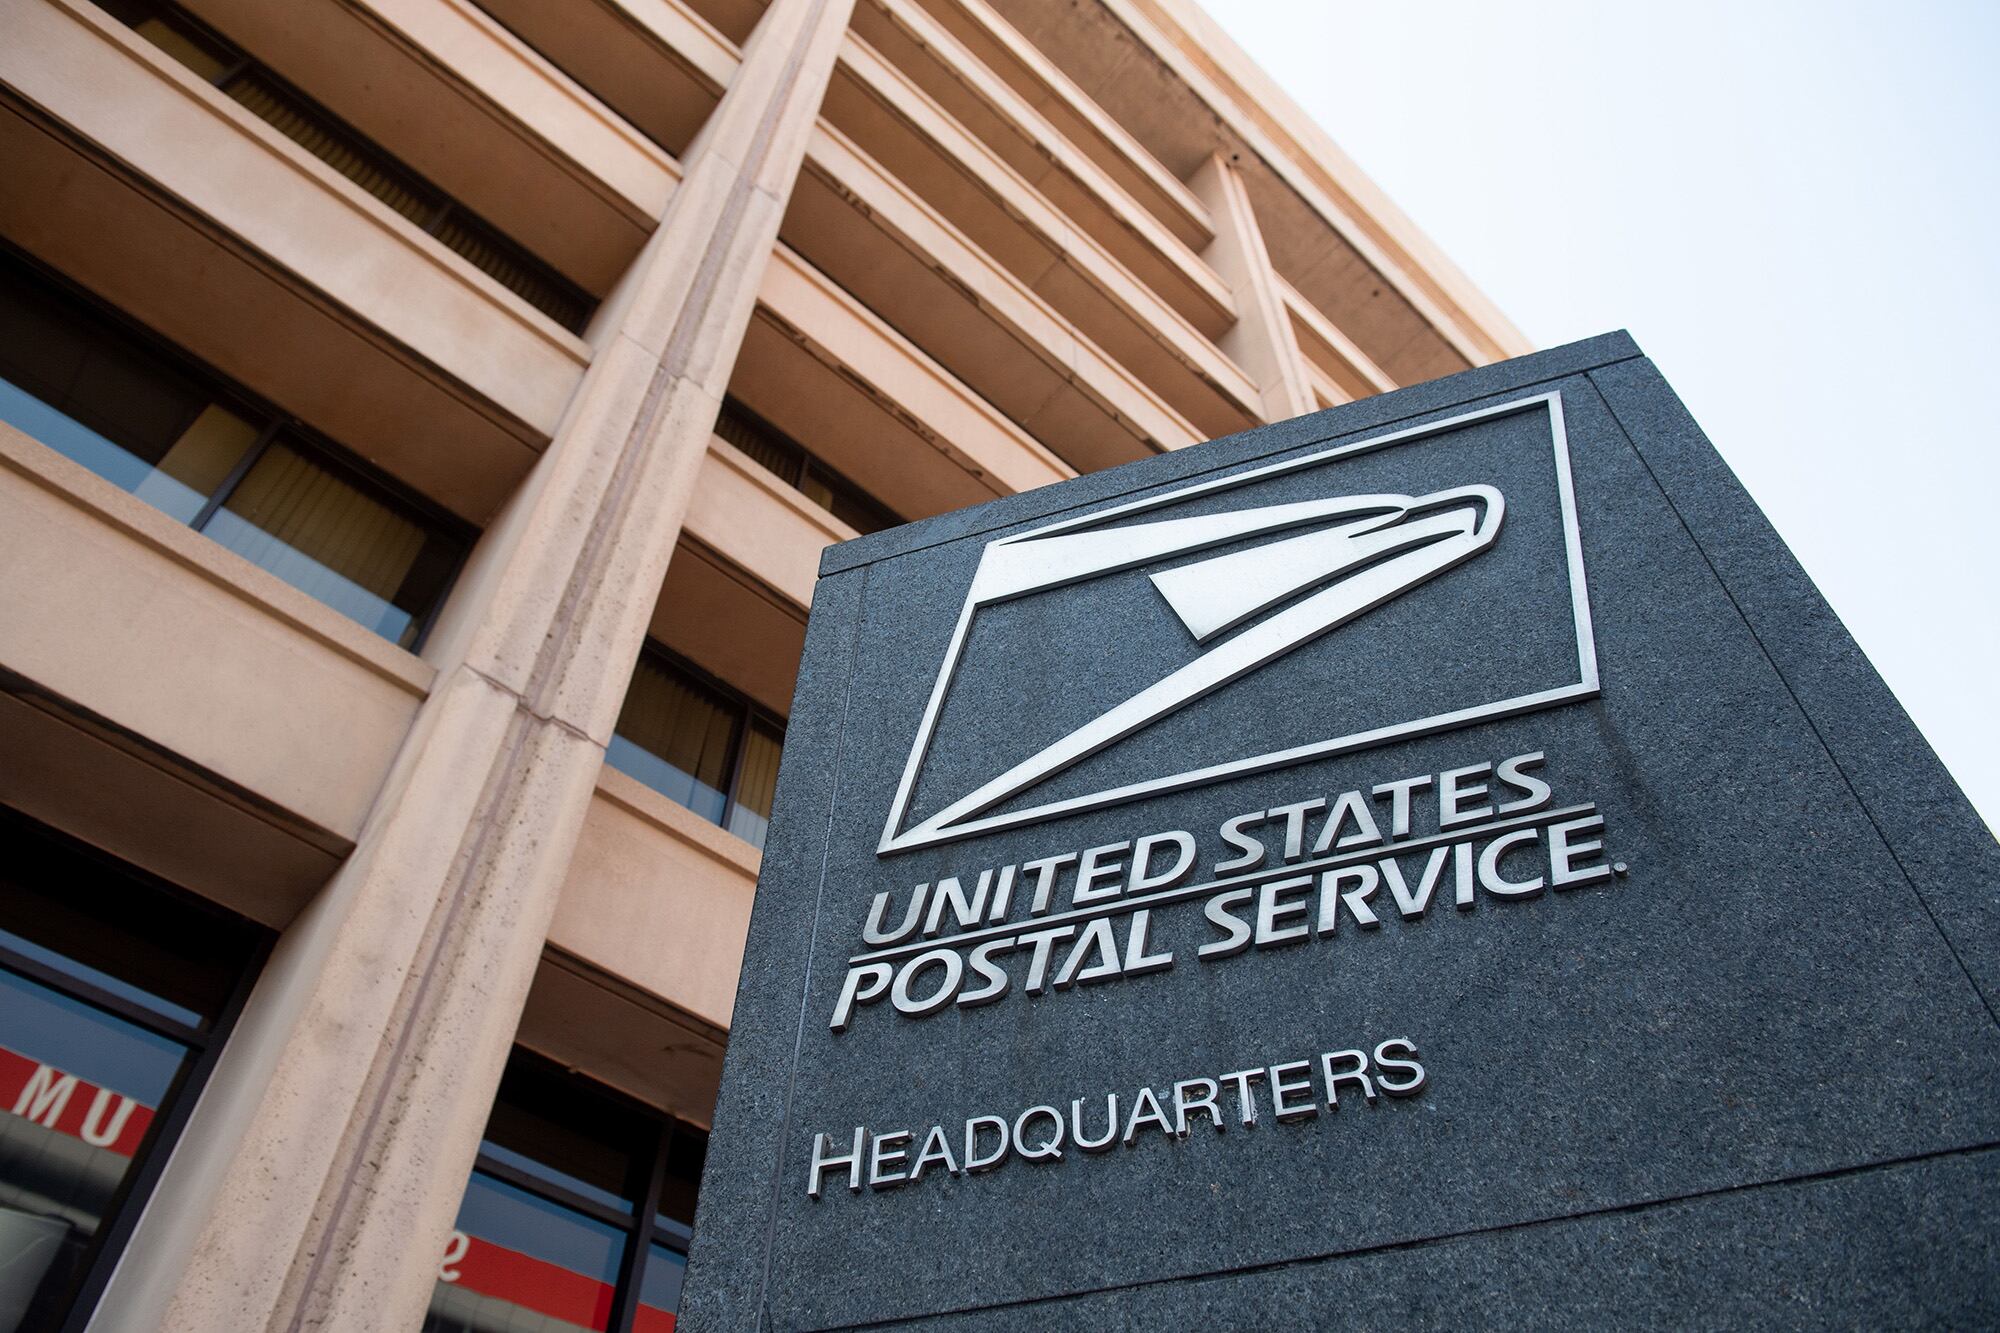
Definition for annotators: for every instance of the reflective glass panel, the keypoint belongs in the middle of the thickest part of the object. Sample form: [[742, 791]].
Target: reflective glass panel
[[85, 950], [520, 1264], [79, 1089], [313, 526], [659, 1290], [676, 735]]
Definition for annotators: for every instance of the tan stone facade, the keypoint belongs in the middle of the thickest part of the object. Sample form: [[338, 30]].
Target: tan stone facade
[[939, 250]]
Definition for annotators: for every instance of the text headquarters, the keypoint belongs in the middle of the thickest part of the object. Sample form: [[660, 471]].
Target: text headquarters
[[1273, 878]]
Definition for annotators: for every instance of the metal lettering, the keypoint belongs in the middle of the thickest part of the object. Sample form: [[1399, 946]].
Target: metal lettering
[[936, 1149], [1280, 1088], [1350, 806], [1051, 1149], [1564, 873], [1246, 1101], [1452, 795], [1399, 802], [1137, 961], [1334, 1078], [1096, 941], [1489, 866], [954, 972], [1076, 1133], [1295, 824], [1332, 897], [1413, 904], [1535, 792], [1099, 865], [1144, 878], [1206, 1102], [822, 1163], [1271, 911], [1252, 850], [974, 1163], [871, 930], [1407, 1085], [1236, 934], [865, 984], [950, 893], [879, 1159]]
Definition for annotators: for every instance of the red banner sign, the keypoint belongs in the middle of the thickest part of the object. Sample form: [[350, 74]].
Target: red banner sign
[[538, 1285], [65, 1103]]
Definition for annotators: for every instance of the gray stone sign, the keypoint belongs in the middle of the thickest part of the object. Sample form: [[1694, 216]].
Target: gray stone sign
[[1437, 861]]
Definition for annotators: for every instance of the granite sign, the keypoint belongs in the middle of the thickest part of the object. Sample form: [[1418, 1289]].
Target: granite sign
[[1351, 867]]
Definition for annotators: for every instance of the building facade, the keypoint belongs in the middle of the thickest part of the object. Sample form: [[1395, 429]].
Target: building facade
[[421, 420]]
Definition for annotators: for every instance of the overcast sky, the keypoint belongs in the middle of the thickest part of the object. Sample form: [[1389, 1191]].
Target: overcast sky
[[1793, 208]]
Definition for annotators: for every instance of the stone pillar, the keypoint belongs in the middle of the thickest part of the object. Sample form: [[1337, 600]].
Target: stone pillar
[[318, 1179], [1261, 341]]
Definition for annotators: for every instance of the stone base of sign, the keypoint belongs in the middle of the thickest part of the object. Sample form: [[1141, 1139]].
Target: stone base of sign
[[1749, 1077]]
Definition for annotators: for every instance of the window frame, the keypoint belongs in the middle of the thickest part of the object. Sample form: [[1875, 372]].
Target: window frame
[[205, 1044], [644, 1227], [273, 424], [747, 712]]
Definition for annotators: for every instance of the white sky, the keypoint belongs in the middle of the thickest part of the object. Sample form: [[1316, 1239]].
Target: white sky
[[1792, 207]]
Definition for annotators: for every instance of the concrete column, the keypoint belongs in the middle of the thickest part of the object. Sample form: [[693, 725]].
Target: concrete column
[[1261, 340], [319, 1176]]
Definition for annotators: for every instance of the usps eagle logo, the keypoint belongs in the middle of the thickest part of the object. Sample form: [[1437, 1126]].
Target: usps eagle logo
[[1248, 585]]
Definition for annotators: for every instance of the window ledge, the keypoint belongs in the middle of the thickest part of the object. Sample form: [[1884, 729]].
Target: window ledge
[[679, 822], [264, 592], [820, 520]]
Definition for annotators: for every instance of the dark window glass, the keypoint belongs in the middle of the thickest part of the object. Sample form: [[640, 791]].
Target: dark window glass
[[100, 394], [536, 1127], [66, 913], [214, 58], [686, 1156], [112, 994], [700, 743], [565, 1221], [778, 453]]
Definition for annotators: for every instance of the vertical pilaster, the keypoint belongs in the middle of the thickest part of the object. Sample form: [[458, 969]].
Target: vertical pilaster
[[318, 1179], [1261, 341]]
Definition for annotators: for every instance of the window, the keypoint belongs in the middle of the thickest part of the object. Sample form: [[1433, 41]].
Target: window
[[577, 1215], [694, 739], [89, 387], [214, 58], [777, 452], [115, 993]]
